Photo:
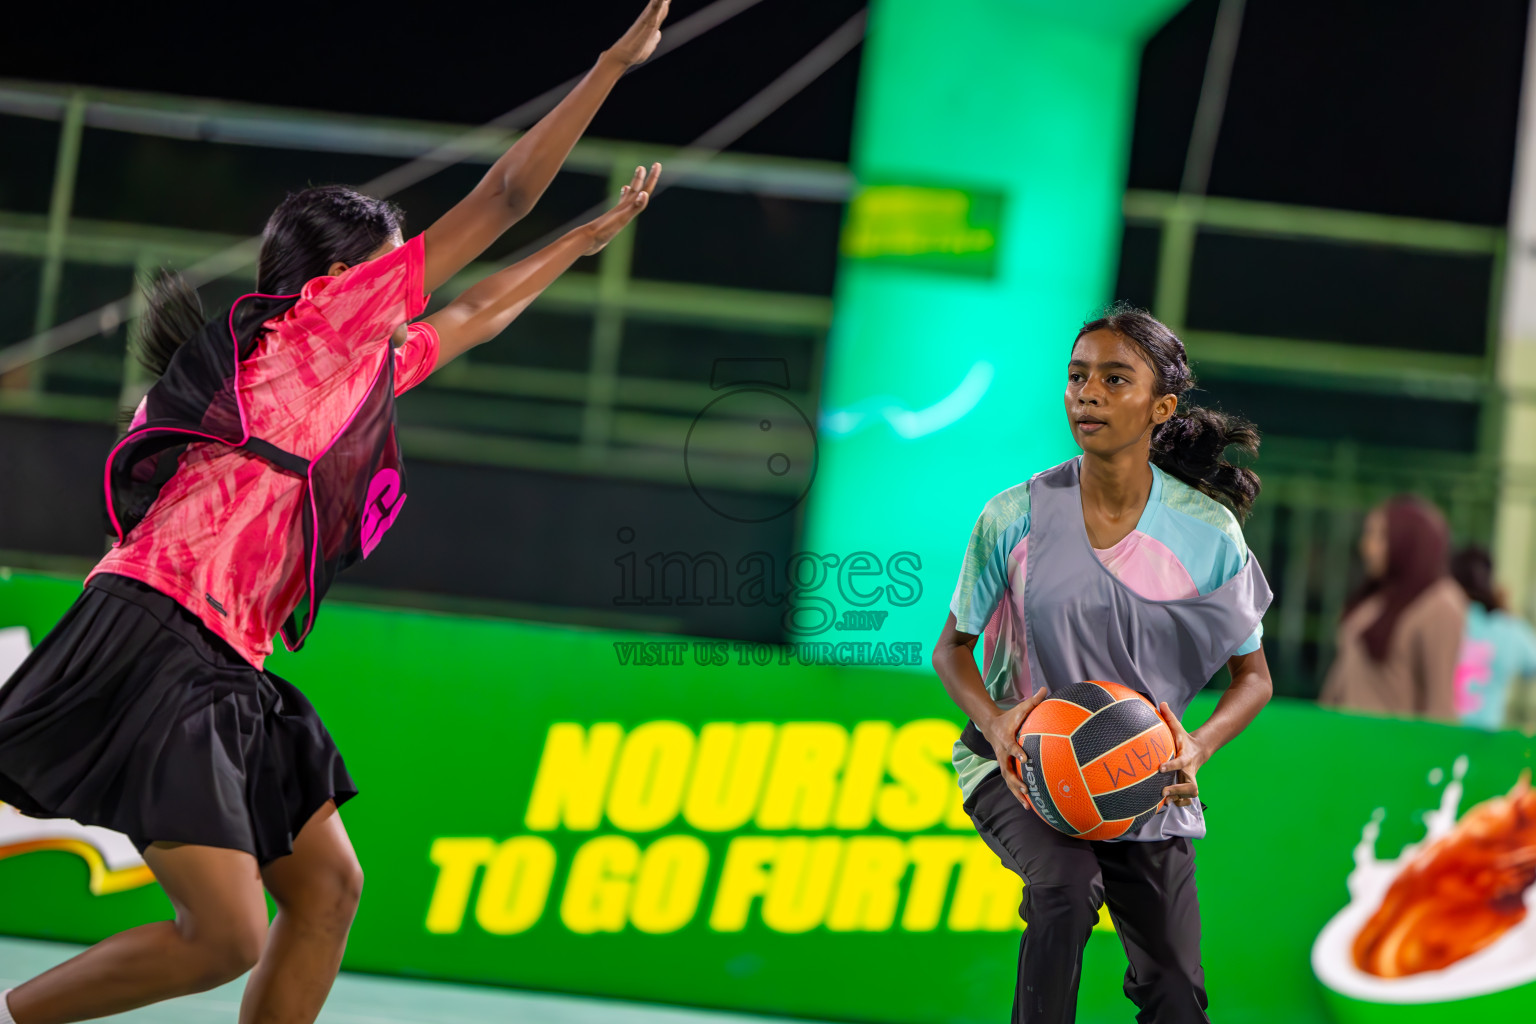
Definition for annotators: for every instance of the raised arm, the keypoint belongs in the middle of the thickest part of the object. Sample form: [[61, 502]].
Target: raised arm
[[485, 309], [517, 180]]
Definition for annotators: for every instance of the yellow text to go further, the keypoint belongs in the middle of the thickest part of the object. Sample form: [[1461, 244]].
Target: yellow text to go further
[[791, 884]]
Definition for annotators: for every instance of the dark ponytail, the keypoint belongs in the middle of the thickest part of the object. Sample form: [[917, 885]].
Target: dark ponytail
[[1191, 444], [173, 312], [1473, 569], [309, 231]]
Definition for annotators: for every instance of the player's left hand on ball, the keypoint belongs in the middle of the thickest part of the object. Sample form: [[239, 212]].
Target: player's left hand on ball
[[1189, 755]]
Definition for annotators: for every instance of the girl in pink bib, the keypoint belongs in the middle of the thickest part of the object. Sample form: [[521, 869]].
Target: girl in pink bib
[[262, 463]]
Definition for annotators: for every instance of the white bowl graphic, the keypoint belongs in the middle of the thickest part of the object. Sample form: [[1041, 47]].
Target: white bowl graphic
[[1496, 983]]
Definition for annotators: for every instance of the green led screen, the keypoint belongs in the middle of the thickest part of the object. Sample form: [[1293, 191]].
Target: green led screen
[[990, 149]]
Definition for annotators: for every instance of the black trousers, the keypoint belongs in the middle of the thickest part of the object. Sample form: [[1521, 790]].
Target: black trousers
[[1150, 890]]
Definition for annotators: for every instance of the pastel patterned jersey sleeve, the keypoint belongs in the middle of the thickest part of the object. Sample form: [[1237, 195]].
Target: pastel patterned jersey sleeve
[[367, 301], [1003, 523], [1207, 539], [416, 357]]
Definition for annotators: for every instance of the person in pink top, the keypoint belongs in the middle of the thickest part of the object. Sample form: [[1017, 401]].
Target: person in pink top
[[232, 562], [261, 463]]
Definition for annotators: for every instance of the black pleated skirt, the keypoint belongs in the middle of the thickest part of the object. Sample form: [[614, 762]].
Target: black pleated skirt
[[133, 715]]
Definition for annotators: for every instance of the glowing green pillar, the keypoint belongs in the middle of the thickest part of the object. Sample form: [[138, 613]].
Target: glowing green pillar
[[990, 149]]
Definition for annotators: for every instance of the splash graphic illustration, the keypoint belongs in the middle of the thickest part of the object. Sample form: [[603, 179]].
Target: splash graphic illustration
[[1459, 895], [1449, 919]]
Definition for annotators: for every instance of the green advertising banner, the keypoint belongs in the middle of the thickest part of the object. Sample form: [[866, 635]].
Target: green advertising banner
[[739, 826]]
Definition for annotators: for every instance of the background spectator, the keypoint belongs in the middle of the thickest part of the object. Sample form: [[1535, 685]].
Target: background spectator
[[1498, 648], [1401, 632]]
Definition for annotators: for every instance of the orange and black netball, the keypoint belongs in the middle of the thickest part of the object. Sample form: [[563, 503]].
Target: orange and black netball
[[1093, 753]]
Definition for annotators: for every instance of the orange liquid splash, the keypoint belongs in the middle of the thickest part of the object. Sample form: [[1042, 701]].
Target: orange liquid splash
[[1459, 894]]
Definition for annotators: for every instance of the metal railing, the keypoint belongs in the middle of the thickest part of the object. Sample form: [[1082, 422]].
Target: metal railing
[[1316, 493], [622, 424], [1324, 365], [628, 425]]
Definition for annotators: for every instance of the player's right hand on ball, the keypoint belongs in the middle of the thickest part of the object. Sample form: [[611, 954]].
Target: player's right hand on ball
[[1002, 731]]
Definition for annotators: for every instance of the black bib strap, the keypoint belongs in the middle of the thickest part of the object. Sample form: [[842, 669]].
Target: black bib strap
[[278, 457], [976, 742]]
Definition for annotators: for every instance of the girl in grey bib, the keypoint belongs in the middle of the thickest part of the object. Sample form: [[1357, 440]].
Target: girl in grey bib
[[1126, 564]]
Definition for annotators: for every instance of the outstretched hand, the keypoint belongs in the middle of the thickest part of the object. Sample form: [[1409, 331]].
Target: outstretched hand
[[1189, 755], [632, 199], [636, 45], [1002, 731]]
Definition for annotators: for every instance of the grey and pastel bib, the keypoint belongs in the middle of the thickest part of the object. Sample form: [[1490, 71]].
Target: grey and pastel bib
[[1082, 622]]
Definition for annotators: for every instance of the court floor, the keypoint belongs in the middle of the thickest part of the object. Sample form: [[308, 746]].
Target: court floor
[[364, 999]]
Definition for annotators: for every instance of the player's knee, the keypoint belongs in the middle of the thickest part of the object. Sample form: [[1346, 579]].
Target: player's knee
[[1069, 906], [224, 951], [338, 893], [331, 893], [349, 886]]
